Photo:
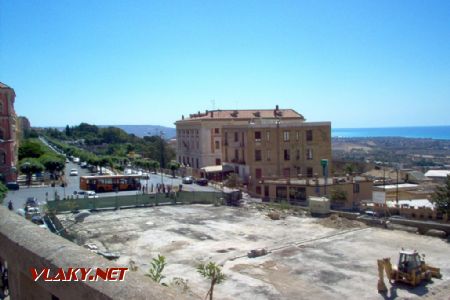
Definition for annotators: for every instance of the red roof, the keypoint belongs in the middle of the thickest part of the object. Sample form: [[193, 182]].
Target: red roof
[[246, 114]]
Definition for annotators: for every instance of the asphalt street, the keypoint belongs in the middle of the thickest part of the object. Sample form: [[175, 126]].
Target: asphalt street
[[43, 194]]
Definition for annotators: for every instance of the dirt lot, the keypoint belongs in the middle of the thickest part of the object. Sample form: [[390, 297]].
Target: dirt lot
[[309, 258]]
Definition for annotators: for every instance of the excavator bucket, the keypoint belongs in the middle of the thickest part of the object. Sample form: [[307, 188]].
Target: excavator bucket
[[381, 286]]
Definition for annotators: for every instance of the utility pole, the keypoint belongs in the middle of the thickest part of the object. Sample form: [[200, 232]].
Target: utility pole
[[161, 137]]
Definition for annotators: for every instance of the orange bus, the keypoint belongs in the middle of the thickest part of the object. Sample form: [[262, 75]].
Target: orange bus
[[110, 183]]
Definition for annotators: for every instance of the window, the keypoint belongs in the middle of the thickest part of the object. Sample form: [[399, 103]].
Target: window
[[236, 155], [297, 154], [268, 154], [257, 155], [287, 155], [286, 136], [216, 130], [179, 159], [218, 163], [356, 188], [257, 136], [2, 158], [309, 172], [197, 162], [226, 138], [217, 144], [309, 135], [309, 154], [297, 137], [266, 191], [258, 173], [236, 136], [268, 136], [2, 135]]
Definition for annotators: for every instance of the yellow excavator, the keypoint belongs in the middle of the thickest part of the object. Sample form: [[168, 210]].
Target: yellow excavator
[[411, 269]]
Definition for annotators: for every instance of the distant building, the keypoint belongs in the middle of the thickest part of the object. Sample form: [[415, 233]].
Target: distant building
[[438, 176], [8, 134], [353, 190], [24, 124], [256, 144], [199, 137]]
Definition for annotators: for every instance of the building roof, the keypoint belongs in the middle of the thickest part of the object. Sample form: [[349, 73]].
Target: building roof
[[243, 114], [415, 203], [417, 176], [4, 86], [390, 187], [437, 173]]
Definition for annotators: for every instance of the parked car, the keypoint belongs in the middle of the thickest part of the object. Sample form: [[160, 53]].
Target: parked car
[[73, 172], [31, 202], [188, 180], [14, 186], [76, 160], [83, 164], [202, 181], [86, 194]]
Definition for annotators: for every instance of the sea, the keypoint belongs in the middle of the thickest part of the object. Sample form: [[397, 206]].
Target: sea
[[433, 132]]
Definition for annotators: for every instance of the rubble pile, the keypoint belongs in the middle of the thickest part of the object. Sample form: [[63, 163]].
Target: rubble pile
[[334, 221]]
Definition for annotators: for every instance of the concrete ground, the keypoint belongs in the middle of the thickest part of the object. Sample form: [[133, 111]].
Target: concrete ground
[[309, 259]]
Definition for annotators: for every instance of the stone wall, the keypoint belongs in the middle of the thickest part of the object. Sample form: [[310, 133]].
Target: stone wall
[[24, 245]]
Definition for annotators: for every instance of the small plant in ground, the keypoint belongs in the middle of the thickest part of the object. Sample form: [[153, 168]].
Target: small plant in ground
[[180, 284], [133, 266], [156, 269], [212, 272]]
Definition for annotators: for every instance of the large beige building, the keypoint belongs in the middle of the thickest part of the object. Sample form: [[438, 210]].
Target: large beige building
[[257, 144]]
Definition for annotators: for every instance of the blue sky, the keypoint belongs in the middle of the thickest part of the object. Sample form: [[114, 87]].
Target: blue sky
[[354, 63]]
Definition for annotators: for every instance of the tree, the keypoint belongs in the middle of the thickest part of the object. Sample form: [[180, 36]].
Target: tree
[[156, 269], [441, 197], [338, 196], [31, 148], [173, 165], [52, 163], [3, 191], [349, 169], [154, 165], [30, 166], [212, 272], [233, 181], [104, 162]]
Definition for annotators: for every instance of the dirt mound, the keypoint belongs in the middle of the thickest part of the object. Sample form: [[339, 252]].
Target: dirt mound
[[334, 221]]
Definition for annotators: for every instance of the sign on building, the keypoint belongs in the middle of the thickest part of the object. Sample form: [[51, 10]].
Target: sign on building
[[379, 197]]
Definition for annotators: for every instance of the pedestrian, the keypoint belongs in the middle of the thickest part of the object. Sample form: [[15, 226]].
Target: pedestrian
[[10, 205]]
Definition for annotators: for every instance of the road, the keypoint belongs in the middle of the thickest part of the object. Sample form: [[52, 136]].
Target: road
[[19, 197]]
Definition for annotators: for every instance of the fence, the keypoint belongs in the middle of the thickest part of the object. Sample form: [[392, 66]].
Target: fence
[[137, 200]]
